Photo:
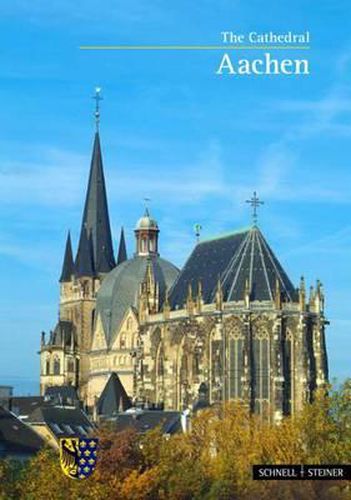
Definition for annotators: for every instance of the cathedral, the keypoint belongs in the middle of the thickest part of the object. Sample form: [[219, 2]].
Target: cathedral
[[229, 325]]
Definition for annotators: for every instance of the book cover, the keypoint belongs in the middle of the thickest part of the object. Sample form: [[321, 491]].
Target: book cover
[[174, 245]]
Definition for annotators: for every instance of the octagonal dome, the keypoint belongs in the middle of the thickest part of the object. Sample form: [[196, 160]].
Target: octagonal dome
[[146, 222]]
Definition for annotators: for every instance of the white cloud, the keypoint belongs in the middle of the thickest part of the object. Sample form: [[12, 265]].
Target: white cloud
[[61, 179], [331, 104], [55, 180], [337, 243], [90, 11]]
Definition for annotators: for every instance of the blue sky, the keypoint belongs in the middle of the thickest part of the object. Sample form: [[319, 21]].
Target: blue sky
[[171, 129]]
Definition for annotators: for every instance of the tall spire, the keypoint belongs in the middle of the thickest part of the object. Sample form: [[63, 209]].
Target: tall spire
[[68, 268], [95, 217], [122, 250]]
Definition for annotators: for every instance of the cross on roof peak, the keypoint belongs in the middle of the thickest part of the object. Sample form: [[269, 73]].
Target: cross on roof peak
[[97, 98], [197, 231], [255, 202]]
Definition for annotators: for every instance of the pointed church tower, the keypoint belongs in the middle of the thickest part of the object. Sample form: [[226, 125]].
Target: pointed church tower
[[96, 221], [122, 250], [65, 358], [68, 267]]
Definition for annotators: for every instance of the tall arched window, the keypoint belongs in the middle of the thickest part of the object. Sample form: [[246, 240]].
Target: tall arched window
[[288, 365], [184, 368], [47, 367], [160, 374], [183, 381], [236, 364], [151, 245], [70, 366], [261, 362], [160, 364], [217, 370], [56, 366], [196, 362]]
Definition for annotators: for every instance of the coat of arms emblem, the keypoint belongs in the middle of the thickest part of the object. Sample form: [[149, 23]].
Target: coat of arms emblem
[[78, 456]]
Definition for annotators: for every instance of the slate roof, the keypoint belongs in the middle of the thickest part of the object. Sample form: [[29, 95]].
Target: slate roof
[[96, 220], [22, 406], [255, 262], [62, 394], [62, 334], [17, 437], [122, 250], [84, 264], [113, 398], [145, 420], [120, 289], [62, 420], [233, 259], [68, 268]]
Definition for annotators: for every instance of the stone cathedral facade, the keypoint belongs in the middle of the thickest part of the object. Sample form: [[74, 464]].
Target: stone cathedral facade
[[229, 325]]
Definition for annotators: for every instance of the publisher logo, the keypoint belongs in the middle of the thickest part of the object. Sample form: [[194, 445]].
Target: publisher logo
[[310, 472]]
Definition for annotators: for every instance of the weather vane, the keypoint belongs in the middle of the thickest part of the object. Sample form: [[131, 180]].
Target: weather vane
[[146, 202], [97, 97], [255, 202], [197, 231]]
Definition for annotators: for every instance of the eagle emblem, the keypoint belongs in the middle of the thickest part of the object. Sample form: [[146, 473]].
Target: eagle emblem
[[78, 456]]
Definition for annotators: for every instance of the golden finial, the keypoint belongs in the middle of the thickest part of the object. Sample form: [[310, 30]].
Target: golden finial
[[166, 305], [312, 296], [247, 293], [189, 300], [302, 294], [319, 297], [219, 296], [278, 297], [199, 296]]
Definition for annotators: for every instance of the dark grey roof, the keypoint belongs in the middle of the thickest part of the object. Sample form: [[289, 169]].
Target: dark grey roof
[[206, 263], [17, 437], [255, 262], [95, 217], [120, 289], [84, 264], [68, 268], [234, 259], [62, 420], [113, 398], [22, 406], [145, 420], [62, 334], [122, 250], [62, 394], [202, 400]]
